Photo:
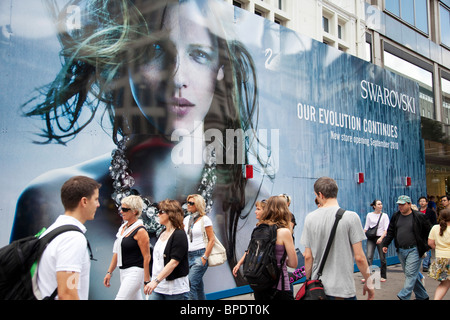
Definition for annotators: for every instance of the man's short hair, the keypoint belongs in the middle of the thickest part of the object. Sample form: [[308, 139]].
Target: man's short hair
[[327, 186], [74, 189]]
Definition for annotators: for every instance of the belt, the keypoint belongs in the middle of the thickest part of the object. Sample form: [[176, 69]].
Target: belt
[[408, 247]]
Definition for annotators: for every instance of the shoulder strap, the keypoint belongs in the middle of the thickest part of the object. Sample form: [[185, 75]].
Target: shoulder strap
[[52, 235], [132, 234], [57, 231], [274, 232], [381, 214], [339, 215], [205, 236]]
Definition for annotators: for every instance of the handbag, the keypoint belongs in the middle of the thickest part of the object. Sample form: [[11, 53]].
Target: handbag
[[371, 233], [314, 289], [218, 253]]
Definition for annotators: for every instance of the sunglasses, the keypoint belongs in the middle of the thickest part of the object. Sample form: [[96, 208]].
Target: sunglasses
[[190, 203], [125, 209], [161, 212]]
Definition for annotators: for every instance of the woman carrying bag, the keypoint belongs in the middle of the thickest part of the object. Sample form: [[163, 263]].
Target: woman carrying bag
[[199, 251], [375, 228]]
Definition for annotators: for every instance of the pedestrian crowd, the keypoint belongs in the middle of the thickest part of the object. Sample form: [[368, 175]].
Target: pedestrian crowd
[[174, 267]]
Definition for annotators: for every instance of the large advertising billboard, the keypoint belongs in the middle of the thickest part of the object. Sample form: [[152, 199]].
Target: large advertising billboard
[[170, 98]]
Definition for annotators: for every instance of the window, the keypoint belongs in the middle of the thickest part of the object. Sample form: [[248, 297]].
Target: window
[[416, 73], [237, 4], [414, 12], [368, 56], [445, 84], [421, 21], [407, 11], [368, 48], [325, 24], [444, 17], [393, 6]]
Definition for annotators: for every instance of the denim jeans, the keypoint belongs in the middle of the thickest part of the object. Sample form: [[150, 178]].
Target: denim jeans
[[196, 272], [160, 296], [371, 245], [410, 260], [427, 260]]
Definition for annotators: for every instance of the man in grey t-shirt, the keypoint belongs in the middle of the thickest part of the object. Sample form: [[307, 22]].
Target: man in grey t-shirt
[[337, 275]]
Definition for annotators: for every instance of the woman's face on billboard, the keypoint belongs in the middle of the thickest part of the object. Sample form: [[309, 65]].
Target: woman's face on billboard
[[177, 82]]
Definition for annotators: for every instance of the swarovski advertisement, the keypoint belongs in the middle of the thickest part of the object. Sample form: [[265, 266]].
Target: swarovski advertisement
[[165, 99]]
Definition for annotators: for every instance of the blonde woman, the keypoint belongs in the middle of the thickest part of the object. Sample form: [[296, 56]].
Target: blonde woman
[[131, 252], [198, 251]]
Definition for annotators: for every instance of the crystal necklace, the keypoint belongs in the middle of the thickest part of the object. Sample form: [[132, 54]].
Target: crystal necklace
[[123, 183]]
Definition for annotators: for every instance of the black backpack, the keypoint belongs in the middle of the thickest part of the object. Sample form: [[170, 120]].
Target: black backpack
[[18, 265], [260, 265]]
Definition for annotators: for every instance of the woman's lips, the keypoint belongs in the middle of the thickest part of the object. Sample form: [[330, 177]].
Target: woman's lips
[[181, 106]]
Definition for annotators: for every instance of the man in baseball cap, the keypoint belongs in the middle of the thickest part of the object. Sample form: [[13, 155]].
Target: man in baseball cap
[[403, 199], [409, 229]]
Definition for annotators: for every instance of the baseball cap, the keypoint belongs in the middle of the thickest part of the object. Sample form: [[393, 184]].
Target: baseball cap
[[403, 199]]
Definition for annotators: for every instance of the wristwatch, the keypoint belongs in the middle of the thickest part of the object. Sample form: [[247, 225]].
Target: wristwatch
[[157, 280], [205, 257], [146, 283]]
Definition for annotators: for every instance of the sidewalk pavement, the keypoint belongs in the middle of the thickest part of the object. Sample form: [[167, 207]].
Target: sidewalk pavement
[[387, 290], [395, 278]]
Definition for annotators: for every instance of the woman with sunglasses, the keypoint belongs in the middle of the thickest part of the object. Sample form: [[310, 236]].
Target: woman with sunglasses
[[170, 256], [131, 251], [198, 250]]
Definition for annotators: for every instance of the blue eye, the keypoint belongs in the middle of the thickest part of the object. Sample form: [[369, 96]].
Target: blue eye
[[157, 50], [202, 56]]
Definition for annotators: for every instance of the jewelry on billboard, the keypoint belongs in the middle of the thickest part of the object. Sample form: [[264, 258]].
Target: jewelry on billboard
[[123, 183]]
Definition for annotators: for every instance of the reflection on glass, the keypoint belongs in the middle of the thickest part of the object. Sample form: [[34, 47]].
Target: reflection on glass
[[444, 15], [422, 76], [393, 7], [422, 15], [414, 12], [445, 84], [407, 11]]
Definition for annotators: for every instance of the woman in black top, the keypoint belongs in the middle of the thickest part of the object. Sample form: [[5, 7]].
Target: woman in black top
[[170, 266], [131, 252]]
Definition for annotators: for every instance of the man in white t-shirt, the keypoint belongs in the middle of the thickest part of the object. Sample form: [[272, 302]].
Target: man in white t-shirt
[[337, 275], [65, 263]]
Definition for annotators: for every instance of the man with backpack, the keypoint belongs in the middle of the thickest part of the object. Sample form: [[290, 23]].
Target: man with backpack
[[337, 274], [65, 263]]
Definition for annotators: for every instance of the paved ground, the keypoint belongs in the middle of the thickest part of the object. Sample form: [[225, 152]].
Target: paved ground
[[387, 290], [395, 278]]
